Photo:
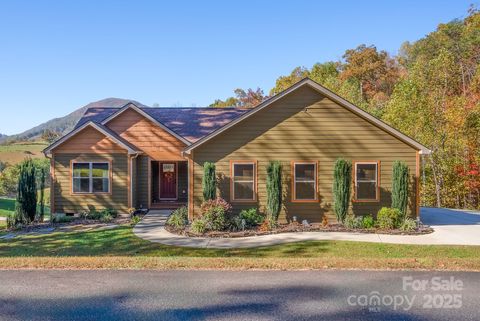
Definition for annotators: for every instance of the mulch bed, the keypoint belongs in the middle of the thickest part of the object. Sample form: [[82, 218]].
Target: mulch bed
[[288, 228]]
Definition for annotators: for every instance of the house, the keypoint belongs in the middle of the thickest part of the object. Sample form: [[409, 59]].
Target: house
[[153, 157]]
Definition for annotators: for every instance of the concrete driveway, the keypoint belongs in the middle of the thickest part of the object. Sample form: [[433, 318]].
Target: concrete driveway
[[452, 227]]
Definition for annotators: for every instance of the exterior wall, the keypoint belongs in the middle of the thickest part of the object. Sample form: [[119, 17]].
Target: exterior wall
[[67, 202], [89, 140], [157, 143], [142, 180], [303, 126]]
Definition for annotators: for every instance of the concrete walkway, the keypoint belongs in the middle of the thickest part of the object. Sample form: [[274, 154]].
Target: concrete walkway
[[452, 227]]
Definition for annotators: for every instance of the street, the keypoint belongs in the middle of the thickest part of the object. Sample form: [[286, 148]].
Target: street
[[248, 295]]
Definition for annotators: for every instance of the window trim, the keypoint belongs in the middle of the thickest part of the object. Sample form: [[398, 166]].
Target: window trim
[[232, 180], [110, 176], [293, 181], [377, 196]]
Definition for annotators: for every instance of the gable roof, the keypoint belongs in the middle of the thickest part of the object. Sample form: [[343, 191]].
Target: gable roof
[[191, 123], [102, 129], [327, 93]]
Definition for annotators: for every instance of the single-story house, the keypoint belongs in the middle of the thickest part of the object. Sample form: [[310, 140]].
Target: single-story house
[[153, 157]]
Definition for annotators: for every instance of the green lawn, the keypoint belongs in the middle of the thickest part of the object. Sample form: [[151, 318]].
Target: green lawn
[[7, 206], [121, 249]]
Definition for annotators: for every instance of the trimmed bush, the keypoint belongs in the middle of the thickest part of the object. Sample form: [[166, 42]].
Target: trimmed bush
[[274, 191], [408, 225], [26, 203], [106, 218], [342, 177], [368, 222], [209, 182], [215, 219], [42, 196], [207, 205], [134, 220], [389, 218], [353, 222], [400, 187], [252, 217], [198, 226], [179, 218]]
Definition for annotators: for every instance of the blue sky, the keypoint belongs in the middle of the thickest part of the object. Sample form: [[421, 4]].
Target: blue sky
[[57, 56]]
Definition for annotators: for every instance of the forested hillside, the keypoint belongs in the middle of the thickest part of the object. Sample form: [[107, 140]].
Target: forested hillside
[[430, 91]]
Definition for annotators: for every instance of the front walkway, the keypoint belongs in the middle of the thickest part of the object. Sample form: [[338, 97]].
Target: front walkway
[[452, 227]]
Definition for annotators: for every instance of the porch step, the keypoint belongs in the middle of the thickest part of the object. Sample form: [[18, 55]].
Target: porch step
[[167, 205]]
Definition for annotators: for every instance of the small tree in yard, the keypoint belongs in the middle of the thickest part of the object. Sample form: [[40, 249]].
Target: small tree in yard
[[274, 190], [42, 196], [26, 203], [209, 182], [342, 177], [400, 187]]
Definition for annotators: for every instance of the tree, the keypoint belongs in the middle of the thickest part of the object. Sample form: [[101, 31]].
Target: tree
[[284, 82], [50, 135], [42, 195], [209, 182], [400, 174], [274, 191], [26, 202], [243, 98], [342, 177]]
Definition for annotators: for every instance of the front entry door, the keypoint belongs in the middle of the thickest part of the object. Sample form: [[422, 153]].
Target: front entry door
[[168, 181]]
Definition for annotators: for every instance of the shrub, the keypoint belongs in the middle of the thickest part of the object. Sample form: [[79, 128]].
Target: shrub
[[342, 177], [368, 222], [198, 226], [389, 218], [106, 218], [218, 202], [11, 222], [353, 222], [252, 217], [215, 219], [42, 196], [62, 219], [109, 211], [209, 183], [179, 218], [26, 203], [134, 220], [400, 187], [274, 190], [408, 225]]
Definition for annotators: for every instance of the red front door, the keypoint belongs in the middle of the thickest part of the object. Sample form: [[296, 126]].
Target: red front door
[[168, 180]]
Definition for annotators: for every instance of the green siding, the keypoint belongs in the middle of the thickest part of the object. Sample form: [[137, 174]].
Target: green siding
[[142, 182], [304, 126], [66, 202]]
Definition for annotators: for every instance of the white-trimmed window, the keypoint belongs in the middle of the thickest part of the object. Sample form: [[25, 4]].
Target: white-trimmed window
[[366, 181], [244, 177], [304, 181], [91, 177]]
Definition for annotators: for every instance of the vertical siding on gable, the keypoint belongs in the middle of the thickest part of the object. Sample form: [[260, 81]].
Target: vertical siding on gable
[[147, 136], [67, 202], [89, 140], [304, 126]]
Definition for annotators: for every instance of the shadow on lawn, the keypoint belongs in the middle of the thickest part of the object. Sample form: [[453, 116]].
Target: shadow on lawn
[[122, 242]]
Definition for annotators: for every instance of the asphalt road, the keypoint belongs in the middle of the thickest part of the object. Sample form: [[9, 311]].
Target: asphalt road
[[212, 295]]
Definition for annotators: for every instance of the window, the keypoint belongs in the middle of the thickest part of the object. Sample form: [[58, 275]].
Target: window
[[243, 181], [366, 181], [90, 177], [304, 181]]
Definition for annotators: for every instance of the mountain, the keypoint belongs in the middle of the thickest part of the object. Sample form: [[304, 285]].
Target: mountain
[[66, 123]]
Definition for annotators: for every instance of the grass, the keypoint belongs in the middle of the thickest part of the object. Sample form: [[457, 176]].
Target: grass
[[120, 248], [7, 206], [15, 153]]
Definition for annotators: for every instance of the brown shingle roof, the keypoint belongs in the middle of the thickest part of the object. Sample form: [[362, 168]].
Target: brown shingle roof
[[190, 123]]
